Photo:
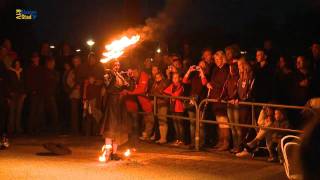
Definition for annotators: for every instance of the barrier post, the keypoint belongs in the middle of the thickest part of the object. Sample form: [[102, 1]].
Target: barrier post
[[197, 133]]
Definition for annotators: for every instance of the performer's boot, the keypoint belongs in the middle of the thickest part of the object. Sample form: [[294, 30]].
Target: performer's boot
[[163, 135], [114, 156], [225, 139]]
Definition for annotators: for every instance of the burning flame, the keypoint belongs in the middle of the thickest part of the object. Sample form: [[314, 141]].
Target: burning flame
[[117, 47], [127, 153], [104, 150]]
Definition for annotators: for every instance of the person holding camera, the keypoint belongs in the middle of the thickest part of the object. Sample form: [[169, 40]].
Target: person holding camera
[[175, 67], [196, 78]]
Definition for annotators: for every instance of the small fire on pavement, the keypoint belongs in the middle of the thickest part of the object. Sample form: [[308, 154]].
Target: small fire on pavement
[[105, 149]]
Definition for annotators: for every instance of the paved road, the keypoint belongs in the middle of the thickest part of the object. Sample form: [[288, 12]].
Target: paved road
[[150, 161]]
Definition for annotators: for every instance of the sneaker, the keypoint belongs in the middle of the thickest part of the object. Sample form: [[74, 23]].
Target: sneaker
[[143, 138], [153, 137], [178, 143], [235, 150], [161, 141], [272, 159], [175, 143], [4, 142], [243, 154]]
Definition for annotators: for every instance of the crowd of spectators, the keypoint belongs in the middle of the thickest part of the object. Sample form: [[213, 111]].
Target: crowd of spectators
[[64, 93]]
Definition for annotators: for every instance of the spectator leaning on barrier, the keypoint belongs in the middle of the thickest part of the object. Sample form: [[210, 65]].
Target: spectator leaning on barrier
[[162, 106], [245, 85], [141, 88], [216, 85], [176, 107], [230, 94]]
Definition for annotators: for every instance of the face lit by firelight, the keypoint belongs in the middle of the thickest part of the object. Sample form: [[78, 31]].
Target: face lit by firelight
[[154, 71], [175, 78], [219, 58], [116, 66], [260, 56], [278, 116]]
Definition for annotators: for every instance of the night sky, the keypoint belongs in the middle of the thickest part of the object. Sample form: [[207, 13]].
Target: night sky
[[244, 21]]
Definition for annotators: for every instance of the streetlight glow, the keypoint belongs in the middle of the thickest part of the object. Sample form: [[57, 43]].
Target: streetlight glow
[[90, 42]]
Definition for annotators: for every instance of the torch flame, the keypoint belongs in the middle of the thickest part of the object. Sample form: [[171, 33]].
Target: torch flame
[[117, 47], [104, 150]]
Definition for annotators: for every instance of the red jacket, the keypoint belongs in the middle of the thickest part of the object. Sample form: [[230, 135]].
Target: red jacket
[[141, 88], [178, 104]]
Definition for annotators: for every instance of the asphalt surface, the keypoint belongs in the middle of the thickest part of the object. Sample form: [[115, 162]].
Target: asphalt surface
[[27, 159]]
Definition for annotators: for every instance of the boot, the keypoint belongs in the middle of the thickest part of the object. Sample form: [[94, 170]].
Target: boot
[[163, 135], [144, 137], [237, 145], [225, 139], [220, 140]]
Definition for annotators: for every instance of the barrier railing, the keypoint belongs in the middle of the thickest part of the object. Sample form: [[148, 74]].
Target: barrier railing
[[199, 120]]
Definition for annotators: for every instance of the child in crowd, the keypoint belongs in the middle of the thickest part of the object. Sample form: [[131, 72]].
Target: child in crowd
[[176, 106], [268, 118]]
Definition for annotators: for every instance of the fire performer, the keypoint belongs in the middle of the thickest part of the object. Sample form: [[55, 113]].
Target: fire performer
[[114, 126]]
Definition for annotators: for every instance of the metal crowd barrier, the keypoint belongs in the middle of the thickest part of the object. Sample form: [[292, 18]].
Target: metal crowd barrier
[[198, 108]]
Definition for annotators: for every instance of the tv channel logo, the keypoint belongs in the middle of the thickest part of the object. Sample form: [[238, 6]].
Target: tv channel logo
[[22, 14]]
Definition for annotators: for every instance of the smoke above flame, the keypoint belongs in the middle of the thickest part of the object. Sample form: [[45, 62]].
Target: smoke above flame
[[154, 29]]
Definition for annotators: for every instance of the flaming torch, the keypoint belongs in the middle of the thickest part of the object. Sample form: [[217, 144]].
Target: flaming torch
[[116, 48]]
